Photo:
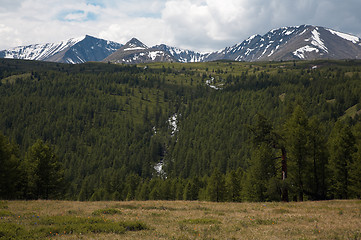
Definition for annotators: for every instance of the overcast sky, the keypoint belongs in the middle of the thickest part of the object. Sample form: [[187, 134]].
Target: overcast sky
[[202, 25]]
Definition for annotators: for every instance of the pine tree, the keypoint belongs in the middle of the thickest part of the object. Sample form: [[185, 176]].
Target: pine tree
[[233, 185], [264, 135], [216, 186], [342, 147], [44, 172], [10, 172], [191, 190], [355, 168], [317, 149], [296, 129], [86, 190], [355, 173], [131, 184], [261, 171], [143, 192]]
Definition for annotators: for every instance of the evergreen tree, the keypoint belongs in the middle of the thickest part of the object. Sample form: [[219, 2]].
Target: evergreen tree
[[142, 191], [265, 137], [191, 189], [216, 186], [10, 172], [233, 185], [44, 172], [260, 176], [317, 149], [131, 184], [296, 129], [342, 147], [86, 190], [355, 173], [355, 168]]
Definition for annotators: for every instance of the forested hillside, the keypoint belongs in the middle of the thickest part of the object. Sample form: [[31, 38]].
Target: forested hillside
[[209, 131]]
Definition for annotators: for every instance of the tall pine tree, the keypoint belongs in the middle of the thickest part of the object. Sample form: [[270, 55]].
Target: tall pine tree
[[44, 172], [342, 147], [296, 142]]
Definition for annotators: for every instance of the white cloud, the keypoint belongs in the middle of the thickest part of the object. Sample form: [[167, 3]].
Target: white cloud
[[6, 34], [149, 31], [194, 24]]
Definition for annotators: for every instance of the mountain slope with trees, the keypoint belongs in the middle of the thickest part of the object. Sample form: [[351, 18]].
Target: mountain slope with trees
[[210, 131]]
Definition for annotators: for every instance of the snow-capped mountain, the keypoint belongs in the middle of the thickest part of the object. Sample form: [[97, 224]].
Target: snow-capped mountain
[[181, 55], [75, 50], [135, 51], [293, 43]]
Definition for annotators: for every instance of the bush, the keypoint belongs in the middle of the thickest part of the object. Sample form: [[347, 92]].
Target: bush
[[110, 211]]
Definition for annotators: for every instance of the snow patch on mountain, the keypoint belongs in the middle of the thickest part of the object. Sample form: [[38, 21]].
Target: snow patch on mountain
[[300, 53], [317, 41], [154, 54], [289, 32], [133, 48], [345, 36]]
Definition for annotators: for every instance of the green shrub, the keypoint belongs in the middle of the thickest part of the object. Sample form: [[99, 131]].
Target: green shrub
[[5, 213], [3, 205], [110, 211]]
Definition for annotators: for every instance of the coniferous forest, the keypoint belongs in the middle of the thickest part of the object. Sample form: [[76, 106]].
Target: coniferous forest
[[217, 131]]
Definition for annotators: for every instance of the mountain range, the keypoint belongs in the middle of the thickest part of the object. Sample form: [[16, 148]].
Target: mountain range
[[305, 42]]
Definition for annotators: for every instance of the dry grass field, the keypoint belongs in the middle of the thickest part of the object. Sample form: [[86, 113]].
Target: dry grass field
[[180, 220]]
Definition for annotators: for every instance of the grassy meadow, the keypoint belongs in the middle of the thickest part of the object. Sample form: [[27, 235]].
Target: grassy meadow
[[180, 220]]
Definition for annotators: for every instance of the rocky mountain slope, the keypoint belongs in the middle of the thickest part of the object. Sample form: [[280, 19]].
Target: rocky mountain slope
[[181, 55], [75, 50], [135, 51], [293, 43]]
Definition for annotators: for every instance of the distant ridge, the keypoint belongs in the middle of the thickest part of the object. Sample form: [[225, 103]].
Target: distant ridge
[[305, 42]]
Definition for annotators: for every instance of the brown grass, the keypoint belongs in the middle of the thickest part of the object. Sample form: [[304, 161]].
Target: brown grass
[[207, 220]]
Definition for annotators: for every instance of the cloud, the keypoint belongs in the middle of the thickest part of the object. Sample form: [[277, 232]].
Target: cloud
[[77, 16], [6, 34], [193, 24], [99, 3]]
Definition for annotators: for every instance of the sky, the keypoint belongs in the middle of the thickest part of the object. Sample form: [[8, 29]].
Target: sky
[[201, 25]]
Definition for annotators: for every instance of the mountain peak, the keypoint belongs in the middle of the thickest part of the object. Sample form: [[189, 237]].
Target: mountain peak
[[74, 50], [134, 44]]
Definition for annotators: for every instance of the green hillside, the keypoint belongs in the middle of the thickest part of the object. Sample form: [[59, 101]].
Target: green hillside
[[108, 126]]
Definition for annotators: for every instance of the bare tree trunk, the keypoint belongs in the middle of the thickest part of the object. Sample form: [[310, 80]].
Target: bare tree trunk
[[284, 175]]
